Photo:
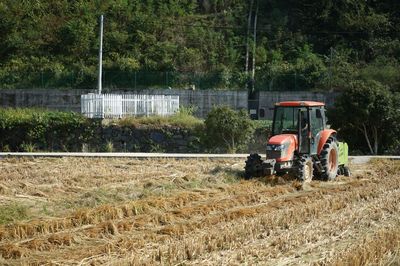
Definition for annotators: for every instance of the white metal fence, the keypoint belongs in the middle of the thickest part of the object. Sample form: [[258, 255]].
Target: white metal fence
[[121, 105]]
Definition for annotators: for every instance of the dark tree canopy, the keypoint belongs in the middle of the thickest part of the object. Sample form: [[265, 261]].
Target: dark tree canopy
[[367, 114], [300, 44]]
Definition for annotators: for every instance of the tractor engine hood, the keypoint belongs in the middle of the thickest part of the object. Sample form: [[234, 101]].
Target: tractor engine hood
[[281, 139], [282, 147]]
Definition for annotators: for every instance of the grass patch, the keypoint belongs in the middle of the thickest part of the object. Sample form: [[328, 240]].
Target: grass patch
[[96, 197], [13, 212], [183, 118]]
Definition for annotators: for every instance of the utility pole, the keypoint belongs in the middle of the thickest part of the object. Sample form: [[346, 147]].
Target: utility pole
[[100, 54], [254, 51], [246, 69], [330, 70]]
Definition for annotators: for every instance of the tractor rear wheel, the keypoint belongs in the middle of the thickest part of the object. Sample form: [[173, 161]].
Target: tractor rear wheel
[[305, 169], [253, 167], [330, 159]]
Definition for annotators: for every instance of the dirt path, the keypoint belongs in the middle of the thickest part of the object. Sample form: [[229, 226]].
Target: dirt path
[[193, 212]]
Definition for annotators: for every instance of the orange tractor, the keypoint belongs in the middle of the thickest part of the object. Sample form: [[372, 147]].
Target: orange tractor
[[301, 145]]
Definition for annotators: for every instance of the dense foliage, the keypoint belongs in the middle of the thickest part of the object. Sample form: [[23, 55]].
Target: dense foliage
[[227, 130], [367, 114], [302, 44]]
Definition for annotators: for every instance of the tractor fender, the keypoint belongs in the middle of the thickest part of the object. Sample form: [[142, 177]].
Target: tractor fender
[[325, 134]]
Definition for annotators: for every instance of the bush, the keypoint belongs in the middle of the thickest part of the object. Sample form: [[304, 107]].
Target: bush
[[35, 129], [227, 130]]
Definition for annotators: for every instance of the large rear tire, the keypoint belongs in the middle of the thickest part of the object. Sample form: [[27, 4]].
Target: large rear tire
[[253, 167], [329, 157], [305, 169]]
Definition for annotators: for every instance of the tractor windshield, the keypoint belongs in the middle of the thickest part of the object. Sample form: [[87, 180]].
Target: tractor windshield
[[285, 120]]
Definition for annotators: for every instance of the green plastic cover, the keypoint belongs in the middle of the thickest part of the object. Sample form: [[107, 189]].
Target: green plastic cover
[[343, 153]]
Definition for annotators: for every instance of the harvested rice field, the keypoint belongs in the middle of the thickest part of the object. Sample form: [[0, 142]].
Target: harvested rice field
[[76, 211]]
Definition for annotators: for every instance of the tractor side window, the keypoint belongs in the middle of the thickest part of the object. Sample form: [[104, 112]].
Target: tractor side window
[[320, 119], [289, 121], [286, 120], [317, 122]]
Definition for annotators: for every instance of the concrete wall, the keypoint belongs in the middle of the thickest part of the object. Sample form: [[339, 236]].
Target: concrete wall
[[51, 99], [267, 99], [70, 99], [203, 99]]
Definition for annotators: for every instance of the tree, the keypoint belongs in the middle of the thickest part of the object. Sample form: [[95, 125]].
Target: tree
[[366, 107], [300, 43], [227, 129]]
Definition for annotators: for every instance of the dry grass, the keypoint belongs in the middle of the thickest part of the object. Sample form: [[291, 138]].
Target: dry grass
[[372, 248], [199, 212], [52, 187]]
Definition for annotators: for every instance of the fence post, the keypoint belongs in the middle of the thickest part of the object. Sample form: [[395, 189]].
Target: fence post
[[135, 104], [120, 106], [152, 104], [102, 105]]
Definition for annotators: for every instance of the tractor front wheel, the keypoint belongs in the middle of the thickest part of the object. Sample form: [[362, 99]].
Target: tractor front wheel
[[305, 169], [253, 167], [330, 159]]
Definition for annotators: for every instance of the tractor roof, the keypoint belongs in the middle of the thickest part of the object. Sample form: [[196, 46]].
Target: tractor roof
[[300, 103]]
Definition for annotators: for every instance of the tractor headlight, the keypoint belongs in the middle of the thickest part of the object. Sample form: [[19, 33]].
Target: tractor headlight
[[272, 147], [277, 151]]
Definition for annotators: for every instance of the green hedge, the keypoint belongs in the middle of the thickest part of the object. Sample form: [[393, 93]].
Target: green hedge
[[43, 130], [36, 129]]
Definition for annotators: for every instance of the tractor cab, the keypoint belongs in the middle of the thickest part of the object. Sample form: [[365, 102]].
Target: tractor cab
[[304, 120]]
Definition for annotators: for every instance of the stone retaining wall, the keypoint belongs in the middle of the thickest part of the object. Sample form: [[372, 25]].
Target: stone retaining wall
[[146, 139]]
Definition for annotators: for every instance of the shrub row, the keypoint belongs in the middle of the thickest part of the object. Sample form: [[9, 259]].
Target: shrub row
[[223, 131], [36, 129]]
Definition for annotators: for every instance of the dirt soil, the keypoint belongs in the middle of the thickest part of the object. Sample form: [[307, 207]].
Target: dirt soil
[[75, 211]]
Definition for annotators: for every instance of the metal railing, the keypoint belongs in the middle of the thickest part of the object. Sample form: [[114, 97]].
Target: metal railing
[[122, 105]]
